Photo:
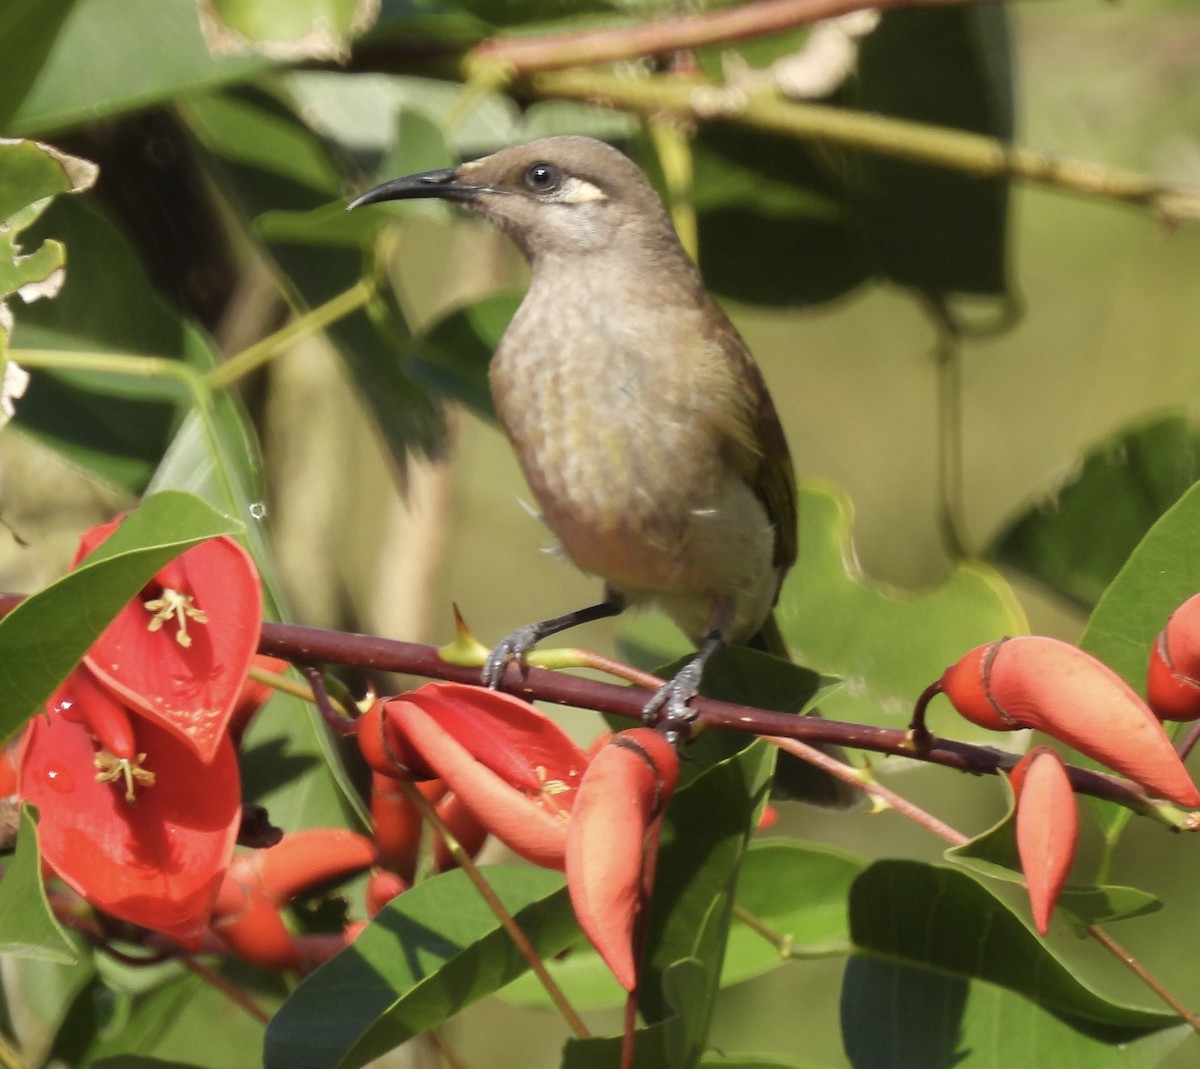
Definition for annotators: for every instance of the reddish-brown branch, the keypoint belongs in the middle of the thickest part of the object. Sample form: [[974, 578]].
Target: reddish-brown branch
[[311, 645], [527, 55], [314, 646]]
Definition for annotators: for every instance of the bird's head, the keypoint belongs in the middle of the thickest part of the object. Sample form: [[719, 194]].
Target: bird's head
[[556, 195]]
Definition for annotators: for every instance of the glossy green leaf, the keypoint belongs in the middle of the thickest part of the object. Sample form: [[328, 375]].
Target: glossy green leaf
[[931, 228], [291, 766], [1161, 573], [797, 890], [370, 342], [84, 60], [898, 1016], [774, 223], [28, 929], [115, 426], [704, 839], [605, 1052], [994, 853], [30, 176], [286, 29], [425, 956], [453, 355], [1130, 479], [888, 645], [926, 917], [47, 634], [188, 1021]]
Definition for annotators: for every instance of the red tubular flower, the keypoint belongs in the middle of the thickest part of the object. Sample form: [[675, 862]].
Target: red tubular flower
[[247, 914], [461, 823], [1173, 677], [157, 860], [623, 794], [1047, 828], [513, 768], [382, 887], [396, 823], [1042, 683], [305, 859], [250, 925], [180, 650]]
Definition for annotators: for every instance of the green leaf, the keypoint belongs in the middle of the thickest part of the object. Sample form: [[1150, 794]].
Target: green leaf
[[1130, 479], [189, 1021], [292, 767], [48, 633], [114, 426], [924, 917], [1161, 573], [774, 224], [429, 953], [30, 175], [923, 226], [286, 29], [798, 890], [452, 357], [888, 645], [28, 929], [898, 1016], [704, 839], [369, 341], [604, 1053], [994, 854], [84, 60]]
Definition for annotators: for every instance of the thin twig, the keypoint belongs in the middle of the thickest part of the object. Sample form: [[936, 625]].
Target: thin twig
[[304, 326], [519, 938], [973, 154], [229, 989], [1142, 973], [527, 54]]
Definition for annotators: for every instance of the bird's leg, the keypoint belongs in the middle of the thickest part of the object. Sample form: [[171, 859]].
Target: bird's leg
[[668, 706], [515, 646]]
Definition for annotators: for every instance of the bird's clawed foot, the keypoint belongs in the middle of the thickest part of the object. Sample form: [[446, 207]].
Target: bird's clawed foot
[[513, 647], [668, 706]]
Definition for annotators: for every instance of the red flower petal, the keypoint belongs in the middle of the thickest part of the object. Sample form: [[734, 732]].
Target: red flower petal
[[190, 689], [1173, 677], [1047, 829], [256, 932], [305, 859], [625, 789], [157, 863], [512, 767], [1038, 682]]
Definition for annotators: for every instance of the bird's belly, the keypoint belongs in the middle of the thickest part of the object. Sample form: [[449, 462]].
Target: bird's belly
[[658, 518]]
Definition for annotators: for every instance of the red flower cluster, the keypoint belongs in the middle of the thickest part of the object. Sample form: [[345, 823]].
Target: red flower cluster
[[1054, 687], [494, 764], [132, 767], [134, 770]]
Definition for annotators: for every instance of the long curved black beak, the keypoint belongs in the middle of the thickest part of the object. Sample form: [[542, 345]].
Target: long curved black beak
[[444, 184]]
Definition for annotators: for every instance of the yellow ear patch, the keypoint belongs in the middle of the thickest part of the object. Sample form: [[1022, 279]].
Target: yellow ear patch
[[577, 191]]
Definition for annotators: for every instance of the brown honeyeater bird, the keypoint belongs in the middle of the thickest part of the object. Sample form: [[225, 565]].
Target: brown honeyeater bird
[[640, 419]]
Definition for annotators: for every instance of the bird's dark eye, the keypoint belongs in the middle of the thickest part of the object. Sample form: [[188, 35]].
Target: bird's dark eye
[[543, 178]]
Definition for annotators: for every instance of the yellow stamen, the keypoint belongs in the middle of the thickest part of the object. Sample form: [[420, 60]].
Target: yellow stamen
[[112, 768], [548, 788], [175, 606]]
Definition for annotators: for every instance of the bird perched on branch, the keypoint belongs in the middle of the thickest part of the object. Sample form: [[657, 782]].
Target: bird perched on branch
[[640, 419]]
